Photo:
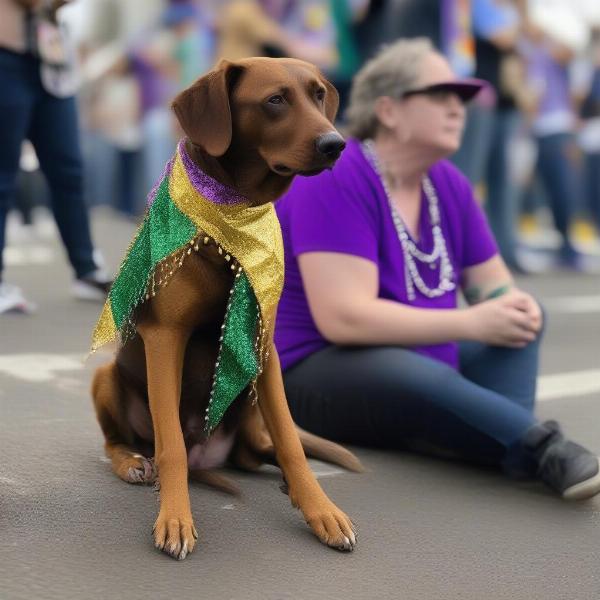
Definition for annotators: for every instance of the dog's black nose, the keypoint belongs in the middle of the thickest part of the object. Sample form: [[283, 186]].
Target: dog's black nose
[[330, 144]]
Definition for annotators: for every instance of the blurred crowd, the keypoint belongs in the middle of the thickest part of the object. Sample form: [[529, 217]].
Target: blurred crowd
[[532, 143]]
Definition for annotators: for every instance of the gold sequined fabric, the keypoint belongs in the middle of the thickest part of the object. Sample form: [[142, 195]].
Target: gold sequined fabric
[[250, 233]]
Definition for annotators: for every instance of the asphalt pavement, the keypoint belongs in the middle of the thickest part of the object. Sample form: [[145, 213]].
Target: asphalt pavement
[[428, 529]]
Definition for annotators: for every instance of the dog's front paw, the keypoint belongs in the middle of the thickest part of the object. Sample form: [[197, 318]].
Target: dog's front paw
[[331, 525], [175, 536]]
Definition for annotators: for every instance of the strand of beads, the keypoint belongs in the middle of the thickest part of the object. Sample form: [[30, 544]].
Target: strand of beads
[[410, 252]]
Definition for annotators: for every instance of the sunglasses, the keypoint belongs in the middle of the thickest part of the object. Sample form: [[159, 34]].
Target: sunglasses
[[440, 92]]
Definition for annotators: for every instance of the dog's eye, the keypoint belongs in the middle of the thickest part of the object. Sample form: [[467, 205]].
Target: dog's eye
[[320, 95], [275, 100]]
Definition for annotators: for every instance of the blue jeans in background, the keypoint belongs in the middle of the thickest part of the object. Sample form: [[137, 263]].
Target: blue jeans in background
[[502, 197], [558, 174], [592, 186], [483, 158], [27, 111], [472, 156]]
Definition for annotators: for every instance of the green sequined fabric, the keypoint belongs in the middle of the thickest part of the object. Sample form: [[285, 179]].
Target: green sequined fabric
[[237, 365], [165, 229], [164, 232]]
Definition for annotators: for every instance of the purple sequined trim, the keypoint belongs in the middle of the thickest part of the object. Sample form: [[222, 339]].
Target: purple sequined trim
[[167, 171], [205, 185]]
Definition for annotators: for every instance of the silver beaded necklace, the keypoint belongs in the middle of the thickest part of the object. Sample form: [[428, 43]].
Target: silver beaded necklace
[[410, 251]]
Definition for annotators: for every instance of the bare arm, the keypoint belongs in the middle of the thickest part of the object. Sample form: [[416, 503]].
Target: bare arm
[[491, 280], [248, 21], [486, 280], [559, 51], [342, 294], [505, 39]]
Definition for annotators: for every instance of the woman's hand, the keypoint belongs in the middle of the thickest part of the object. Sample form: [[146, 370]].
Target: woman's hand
[[513, 320]]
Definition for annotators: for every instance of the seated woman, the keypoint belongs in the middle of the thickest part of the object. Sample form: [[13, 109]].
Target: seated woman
[[374, 346]]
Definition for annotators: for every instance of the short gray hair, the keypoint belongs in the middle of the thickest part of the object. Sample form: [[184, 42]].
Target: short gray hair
[[393, 71]]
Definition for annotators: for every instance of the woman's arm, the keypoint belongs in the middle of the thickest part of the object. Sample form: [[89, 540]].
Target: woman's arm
[[342, 289], [492, 279], [342, 293], [486, 280]]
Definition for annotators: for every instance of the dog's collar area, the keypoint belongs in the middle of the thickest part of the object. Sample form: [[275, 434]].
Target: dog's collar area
[[204, 184]]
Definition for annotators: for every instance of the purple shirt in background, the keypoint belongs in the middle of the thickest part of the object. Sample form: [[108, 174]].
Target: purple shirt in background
[[457, 42], [550, 79], [346, 210], [155, 90]]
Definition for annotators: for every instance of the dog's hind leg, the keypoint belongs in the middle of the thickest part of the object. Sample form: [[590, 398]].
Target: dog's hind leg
[[127, 463], [255, 446]]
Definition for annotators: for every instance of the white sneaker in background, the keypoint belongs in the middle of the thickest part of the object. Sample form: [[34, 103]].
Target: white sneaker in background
[[12, 300], [94, 286]]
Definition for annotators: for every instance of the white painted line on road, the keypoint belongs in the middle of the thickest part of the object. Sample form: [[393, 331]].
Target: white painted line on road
[[44, 367], [573, 304], [28, 255], [567, 385], [322, 469], [39, 367]]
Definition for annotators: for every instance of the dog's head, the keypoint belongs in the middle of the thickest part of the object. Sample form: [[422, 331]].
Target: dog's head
[[281, 110]]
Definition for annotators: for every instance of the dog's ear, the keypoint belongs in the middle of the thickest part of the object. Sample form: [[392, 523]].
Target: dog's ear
[[203, 109], [332, 100]]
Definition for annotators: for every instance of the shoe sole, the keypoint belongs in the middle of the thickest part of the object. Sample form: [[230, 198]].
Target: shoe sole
[[583, 490], [87, 293]]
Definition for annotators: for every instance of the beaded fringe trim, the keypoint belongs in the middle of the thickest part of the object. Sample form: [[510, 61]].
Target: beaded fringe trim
[[261, 355], [161, 276]]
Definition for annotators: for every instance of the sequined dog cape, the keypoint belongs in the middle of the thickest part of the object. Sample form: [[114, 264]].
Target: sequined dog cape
[[186, 208]]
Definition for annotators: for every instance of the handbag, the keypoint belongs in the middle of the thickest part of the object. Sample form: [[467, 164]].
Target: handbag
[[49, 42]]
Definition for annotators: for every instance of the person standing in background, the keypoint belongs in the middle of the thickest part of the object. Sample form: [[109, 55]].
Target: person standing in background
[[170, 57], [589, 132], [483, 156], [549, 46], [457, 41], [277, 28], [38, 103], [248, 27], [345, 13]]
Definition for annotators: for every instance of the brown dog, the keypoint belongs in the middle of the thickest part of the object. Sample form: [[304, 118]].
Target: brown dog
[[251, 125]]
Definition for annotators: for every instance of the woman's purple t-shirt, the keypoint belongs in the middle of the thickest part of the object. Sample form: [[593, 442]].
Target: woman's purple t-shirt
[[346, 210]]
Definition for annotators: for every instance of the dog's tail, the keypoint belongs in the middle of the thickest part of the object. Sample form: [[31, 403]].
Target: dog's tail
[[322, 449], [216, 480]]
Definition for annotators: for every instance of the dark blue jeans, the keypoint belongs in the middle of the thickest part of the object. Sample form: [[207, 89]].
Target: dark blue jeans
[[27, 111], [592, 186], [391, 397], [558, 174], [502, 199], [483, 157]]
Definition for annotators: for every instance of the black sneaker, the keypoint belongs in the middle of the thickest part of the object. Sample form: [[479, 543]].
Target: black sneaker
[[565, 466]]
